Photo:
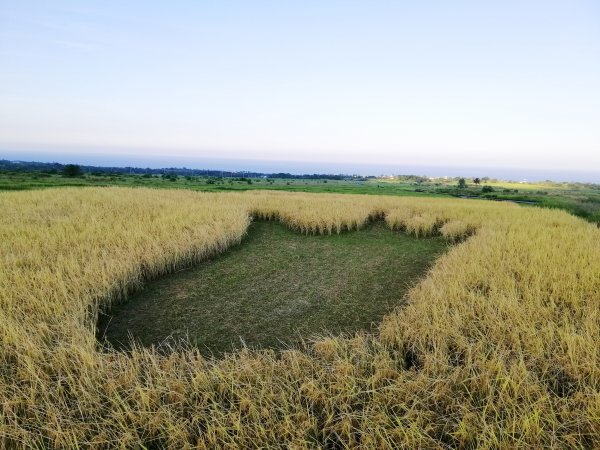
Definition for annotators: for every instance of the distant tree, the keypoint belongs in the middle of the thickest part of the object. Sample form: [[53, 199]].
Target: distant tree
[[476, 180], [169, 176], [487, 189], [72, 170], [462, 184]]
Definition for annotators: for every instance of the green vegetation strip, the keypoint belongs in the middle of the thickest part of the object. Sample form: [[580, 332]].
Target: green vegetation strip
[[580, 199], [275, 287]]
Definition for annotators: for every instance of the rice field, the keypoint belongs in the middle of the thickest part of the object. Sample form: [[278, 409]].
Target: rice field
[[497, 347]]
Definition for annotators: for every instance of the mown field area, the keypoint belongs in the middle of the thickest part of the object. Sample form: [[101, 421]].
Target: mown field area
[[276, 288], [495, 346]]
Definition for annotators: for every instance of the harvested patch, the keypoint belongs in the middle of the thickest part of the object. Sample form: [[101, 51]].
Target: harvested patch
[[276, 287]]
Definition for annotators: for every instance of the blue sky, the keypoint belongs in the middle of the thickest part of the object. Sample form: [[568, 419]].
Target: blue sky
[[504, 84]]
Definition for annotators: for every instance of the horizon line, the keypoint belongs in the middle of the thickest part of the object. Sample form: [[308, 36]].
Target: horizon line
[[299, 174]]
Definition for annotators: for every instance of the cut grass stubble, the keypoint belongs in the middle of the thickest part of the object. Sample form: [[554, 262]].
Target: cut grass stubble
[[276, 288]]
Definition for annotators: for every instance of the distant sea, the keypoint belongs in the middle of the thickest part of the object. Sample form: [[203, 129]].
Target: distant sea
[[303, 167]]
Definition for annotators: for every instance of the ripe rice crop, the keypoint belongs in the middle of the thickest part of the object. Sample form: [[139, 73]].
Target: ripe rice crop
[[496, 348]]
